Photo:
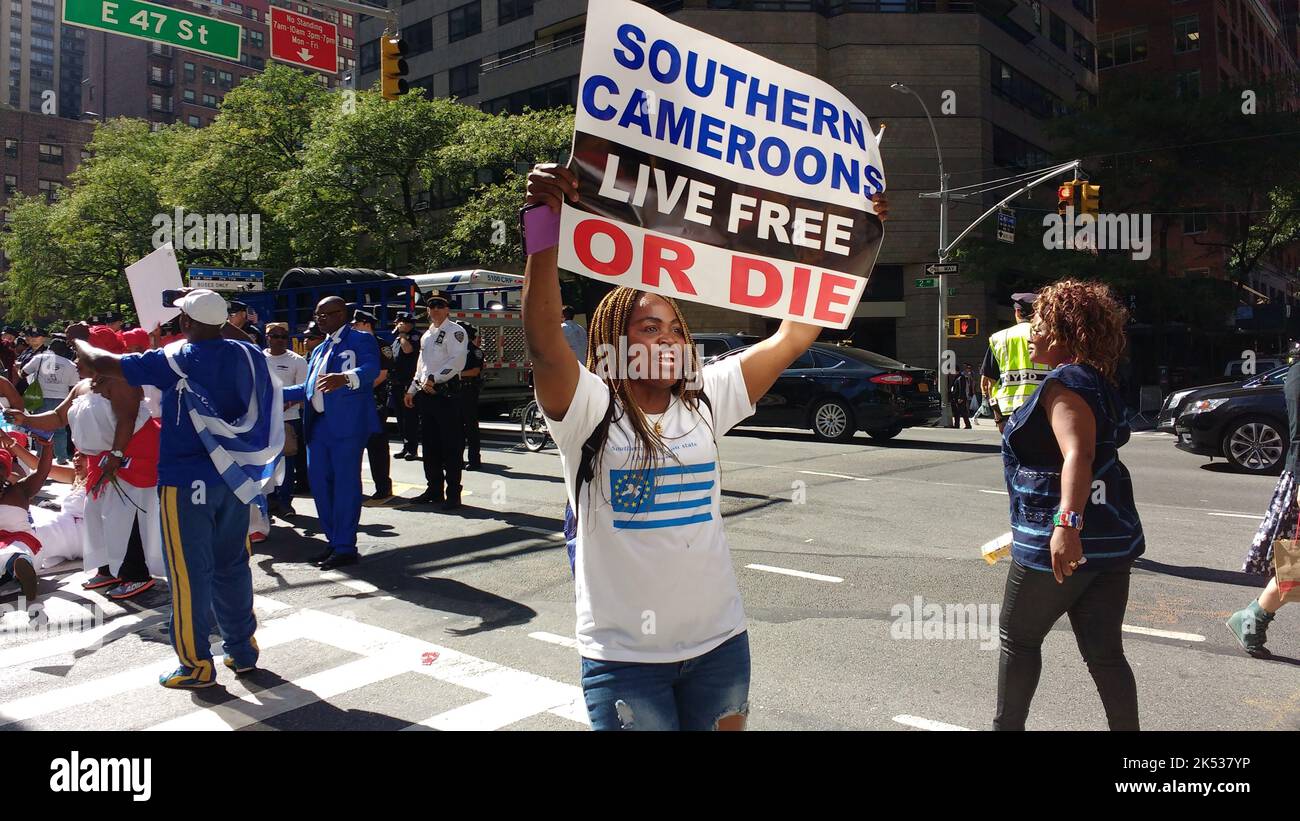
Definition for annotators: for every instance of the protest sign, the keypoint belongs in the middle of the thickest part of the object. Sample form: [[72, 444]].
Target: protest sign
[[711, 174], [148, 278]]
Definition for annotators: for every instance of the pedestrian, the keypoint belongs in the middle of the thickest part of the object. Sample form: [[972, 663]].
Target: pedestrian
[[471, 383], [377, 445], [290, 369], [1009, 376], [435, 392], [56, 373], [338, 419], [240, 319], [574, 334], [660, 623], [62, 532], [406, 357], [221, 406], [959, 400], [972, 389], [1075, 525], [1250, 624], [18, 542]]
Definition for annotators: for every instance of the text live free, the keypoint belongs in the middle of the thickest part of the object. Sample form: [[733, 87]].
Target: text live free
[[149, 21]]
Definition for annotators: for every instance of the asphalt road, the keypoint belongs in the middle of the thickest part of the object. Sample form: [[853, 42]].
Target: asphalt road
[[466, 621]]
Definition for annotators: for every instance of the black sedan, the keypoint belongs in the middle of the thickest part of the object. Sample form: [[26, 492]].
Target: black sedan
[[1177, 401], [1245, 423], [836, 391]]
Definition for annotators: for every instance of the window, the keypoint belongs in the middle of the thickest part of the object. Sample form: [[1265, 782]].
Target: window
[[189, 72], [50, 188], [464, 21], [513, 52], [227, 79], [1087, 8], [188, 95], [155, 102], [1012, 151], [347, 20], [11, 185], [209, 77], [194, 121], [1187, 34], [1195, 223], [1014, 86], [1057, 31], [257, 38], [345, 42], [11, 147], [210, 100], [1187, 84], [1120, 48], [1084, 52], [52, 153], [419, 37], [463, 80], [510, 10], [369, 57]]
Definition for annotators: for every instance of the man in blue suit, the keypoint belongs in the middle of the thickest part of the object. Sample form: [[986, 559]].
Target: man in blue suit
[[338, 417]]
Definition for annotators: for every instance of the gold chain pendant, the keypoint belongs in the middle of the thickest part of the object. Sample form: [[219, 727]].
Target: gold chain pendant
[[659, 429]]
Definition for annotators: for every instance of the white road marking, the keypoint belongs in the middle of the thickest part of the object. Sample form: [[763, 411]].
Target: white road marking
[[1254, 516], [800, 573], [541, 531], [352, 584], [551, 638], [835, 475], [928, 724], [995, 492], [1164, 634]]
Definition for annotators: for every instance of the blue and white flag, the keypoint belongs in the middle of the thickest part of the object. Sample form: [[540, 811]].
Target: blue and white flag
[[246, 451], [669, 496]]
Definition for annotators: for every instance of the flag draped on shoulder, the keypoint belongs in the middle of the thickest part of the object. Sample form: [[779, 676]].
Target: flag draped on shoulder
[[244, 451]]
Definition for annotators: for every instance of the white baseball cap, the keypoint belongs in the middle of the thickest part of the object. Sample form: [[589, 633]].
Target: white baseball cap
[[207, 307]]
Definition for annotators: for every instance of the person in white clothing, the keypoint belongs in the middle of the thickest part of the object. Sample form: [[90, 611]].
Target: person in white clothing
[[290, 369], [435, 392], [19, 545], [61, 532], [638, 447], [56, 373]]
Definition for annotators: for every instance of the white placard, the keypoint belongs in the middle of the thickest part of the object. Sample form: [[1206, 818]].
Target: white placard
[[148, 278]]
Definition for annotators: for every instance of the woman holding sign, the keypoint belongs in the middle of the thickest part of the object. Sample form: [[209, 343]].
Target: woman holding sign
[[661, 628]]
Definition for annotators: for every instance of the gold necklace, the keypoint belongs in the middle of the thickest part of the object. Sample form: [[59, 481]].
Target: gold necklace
[[659, 427]]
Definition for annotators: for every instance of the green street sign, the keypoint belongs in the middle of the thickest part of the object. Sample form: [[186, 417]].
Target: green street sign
[[160, 24], [926, 283], [952, 292]]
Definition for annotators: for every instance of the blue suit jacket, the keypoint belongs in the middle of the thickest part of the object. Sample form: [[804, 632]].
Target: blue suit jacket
[[348, 412]]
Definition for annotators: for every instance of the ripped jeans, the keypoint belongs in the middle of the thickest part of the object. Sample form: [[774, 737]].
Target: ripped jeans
[[684, 695]]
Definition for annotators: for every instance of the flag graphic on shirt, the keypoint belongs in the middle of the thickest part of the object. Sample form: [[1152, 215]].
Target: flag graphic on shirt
[[669, 496]]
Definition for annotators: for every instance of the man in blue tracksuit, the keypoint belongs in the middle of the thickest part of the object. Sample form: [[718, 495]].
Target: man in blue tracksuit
[[338, 417]]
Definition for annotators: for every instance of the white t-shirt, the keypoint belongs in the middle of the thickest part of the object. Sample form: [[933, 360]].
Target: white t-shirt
[[55, 374], [290, 369], [654, 579]]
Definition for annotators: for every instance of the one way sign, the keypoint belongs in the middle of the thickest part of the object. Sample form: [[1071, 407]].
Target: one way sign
[[935, 268], [304, 41]]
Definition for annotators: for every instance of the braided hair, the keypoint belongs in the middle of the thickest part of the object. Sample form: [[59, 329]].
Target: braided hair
[[608, 324]]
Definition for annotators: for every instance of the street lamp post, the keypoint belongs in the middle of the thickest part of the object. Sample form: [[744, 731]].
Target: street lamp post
[[946, 412]]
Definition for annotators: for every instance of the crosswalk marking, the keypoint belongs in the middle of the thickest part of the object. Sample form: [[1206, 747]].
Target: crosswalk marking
[[928, 724]]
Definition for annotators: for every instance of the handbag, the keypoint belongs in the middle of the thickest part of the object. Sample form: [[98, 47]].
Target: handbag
[[1286, 564], [290, 440], [33, 397]]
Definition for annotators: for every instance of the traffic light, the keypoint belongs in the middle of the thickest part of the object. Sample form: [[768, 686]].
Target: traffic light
[[963, 326], [392, 66], [1065, 196], [1090, 199]]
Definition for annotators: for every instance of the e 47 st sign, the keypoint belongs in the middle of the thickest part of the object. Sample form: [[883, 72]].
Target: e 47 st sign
[[161, 24]]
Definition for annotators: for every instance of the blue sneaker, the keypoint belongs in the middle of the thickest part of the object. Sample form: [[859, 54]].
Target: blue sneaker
[[188, 678]]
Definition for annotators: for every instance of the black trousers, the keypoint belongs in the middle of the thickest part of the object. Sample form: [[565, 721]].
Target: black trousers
[[134, 568], [444, 440], [408, 420], [1095, 601], [469, 417], [960, 411], [380, 459]]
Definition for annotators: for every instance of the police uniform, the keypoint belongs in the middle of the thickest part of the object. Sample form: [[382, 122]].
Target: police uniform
[[437, 397]]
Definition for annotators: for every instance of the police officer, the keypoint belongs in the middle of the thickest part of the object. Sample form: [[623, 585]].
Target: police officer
[[1009, 376], [435, 392], [472, 382], [406, 357]]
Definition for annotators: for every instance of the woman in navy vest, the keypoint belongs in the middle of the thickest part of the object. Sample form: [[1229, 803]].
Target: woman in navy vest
[[1075, 527]]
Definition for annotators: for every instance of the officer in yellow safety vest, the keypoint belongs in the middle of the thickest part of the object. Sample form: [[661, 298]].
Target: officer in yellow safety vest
[[1008, 376]]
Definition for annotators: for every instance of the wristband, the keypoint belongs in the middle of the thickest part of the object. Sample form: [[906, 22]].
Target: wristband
[[1068, 518]]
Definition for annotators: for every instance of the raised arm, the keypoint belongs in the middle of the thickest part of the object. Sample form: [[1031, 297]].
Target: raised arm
[[555, 370], [100, 361], [763, 363], [32, 484]]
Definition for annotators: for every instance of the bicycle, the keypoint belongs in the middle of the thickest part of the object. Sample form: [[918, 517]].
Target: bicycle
[[532, 428]]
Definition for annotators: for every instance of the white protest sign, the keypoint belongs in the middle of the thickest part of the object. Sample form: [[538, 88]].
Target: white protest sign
[[148, 278], [711, 174]]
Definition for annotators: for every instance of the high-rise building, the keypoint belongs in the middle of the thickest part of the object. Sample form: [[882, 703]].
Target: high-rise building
[[40, 59], [992, 73], [126, 77]]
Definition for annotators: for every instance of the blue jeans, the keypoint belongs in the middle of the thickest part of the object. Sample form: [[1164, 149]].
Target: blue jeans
[[206, 547], [683, 695], [60, 435]]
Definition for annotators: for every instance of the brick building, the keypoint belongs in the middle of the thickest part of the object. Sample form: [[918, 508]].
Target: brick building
[[38, 154]]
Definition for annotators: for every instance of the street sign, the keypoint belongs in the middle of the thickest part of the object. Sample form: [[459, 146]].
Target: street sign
[[226, 279], [952, 292], [304, 41], [926, 283], [159, 24], [1006, 225], [935, 268]]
